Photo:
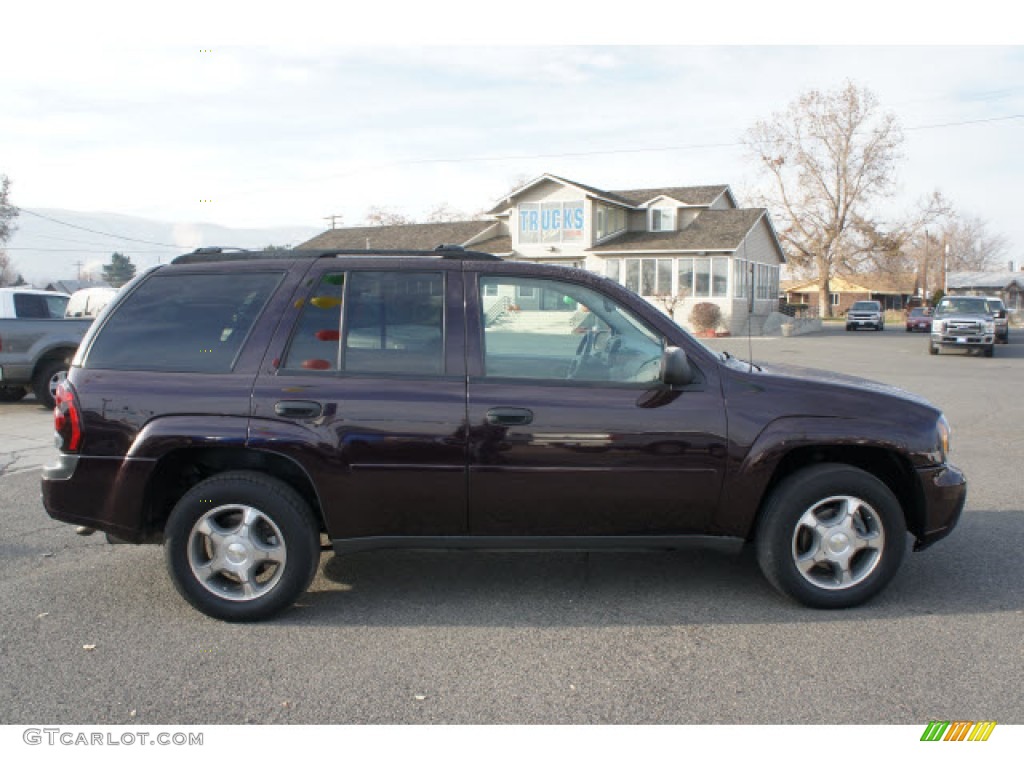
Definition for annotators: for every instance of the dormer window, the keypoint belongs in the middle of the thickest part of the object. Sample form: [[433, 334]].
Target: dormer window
[[662, 219]]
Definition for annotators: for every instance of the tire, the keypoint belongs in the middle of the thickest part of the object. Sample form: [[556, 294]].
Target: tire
[[815, 512], [48, 375], [989, 350], [932, 349], [848, 328], [12, 394], [241, 546]]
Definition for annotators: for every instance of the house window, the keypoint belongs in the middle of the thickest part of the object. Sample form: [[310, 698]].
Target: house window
[[702, 277], [663, 219], [834, 299], [559, 222], [649, 277], [740, 273], [719, 277], [686, 277], [613, 270], [766, 281], [609, 220]]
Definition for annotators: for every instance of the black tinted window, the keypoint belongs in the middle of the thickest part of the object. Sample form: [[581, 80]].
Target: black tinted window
[[372, 322], [193, 323], [30, 305]]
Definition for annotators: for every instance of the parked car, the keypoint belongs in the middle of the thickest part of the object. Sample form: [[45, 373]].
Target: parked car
[[865, 314], [963, 322], [1002, 321], [36, 343], [89, 302], [919, 319], [394, 399]]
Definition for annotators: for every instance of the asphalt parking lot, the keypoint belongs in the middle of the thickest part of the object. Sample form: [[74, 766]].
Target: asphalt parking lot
[[94, 633]]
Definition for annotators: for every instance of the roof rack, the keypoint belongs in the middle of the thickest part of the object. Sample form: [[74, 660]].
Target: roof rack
[[212, 254]]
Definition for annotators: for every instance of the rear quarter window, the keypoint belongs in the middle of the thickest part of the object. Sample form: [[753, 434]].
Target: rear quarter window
[[183, 323]]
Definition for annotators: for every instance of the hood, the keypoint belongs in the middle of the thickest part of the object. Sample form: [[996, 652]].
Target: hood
[[818, 388]]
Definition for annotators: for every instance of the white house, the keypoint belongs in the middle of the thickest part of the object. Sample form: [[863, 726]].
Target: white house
[[693, 243]]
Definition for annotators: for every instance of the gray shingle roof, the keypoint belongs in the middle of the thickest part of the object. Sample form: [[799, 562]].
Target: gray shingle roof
[[493, 245], [705, 195], [710, 231], [400, 237], [994, 280]]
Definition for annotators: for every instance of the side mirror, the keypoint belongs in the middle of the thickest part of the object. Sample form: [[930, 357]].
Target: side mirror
[[675, 368]]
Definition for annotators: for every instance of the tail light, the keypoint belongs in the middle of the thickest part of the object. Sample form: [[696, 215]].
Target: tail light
[[67, 418]]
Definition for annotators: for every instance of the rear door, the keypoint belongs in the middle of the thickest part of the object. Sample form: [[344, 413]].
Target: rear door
[[365, 387], [571, 433]]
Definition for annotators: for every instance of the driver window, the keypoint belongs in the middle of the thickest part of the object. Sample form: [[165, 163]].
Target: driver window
[[548, 329]]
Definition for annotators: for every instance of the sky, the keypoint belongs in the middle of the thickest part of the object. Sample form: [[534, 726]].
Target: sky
[[264, 115]]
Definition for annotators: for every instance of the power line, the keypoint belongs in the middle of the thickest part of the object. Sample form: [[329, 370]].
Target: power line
[[108, 251], [964, 122], [94, 231]]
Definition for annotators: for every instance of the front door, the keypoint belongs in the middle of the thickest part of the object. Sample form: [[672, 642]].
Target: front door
[[570, 430]]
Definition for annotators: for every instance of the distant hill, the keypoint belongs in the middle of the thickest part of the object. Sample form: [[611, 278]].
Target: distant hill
[[44, 250]]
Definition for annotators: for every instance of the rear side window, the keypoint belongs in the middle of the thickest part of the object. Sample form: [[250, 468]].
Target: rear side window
[[39, 305], [372, 322], [186, 322]]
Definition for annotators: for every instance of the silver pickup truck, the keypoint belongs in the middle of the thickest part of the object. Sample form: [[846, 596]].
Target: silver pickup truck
[[36, 344], [963, 322]]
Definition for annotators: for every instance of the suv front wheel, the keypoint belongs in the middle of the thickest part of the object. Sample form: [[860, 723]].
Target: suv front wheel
[[241, 546], [831, 536]]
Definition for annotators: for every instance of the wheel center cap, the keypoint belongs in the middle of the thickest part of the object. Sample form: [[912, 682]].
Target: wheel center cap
[[838, 543], [237, 552]]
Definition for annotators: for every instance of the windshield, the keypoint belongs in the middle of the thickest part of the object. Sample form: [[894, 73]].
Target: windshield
[[919, 312], [962, 305], [865, 306]]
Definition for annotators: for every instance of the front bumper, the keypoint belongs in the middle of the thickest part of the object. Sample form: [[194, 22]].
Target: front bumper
[[964, 340], [945, 492]]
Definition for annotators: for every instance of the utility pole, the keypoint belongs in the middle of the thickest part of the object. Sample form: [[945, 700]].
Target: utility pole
[[924, 270], [945, 265], [333, 219], [79, 264]]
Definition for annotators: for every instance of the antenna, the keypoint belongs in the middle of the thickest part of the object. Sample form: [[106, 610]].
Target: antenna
[[750, 317]]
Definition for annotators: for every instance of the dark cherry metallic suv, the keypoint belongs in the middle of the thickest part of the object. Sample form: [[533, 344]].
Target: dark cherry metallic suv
[[241, 407]]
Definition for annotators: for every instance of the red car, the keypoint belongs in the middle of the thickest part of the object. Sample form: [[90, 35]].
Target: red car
[[919, 319]]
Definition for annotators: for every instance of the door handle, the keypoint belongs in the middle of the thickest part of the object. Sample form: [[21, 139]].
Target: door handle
[[298, 409], [508, 417]]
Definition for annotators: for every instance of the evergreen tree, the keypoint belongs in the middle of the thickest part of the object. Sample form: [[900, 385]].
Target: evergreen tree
[[119, 271]]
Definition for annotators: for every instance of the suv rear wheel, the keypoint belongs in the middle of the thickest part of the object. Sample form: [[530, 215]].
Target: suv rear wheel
[[831, 536], [241, 546]]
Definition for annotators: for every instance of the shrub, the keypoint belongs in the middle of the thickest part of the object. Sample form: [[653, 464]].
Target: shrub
[[705, 316]]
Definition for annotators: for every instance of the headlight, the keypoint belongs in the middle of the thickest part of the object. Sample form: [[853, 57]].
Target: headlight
[[990, 326], [942, 432]]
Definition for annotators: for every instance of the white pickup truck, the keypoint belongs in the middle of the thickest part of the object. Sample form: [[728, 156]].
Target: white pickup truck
[[36, 343], [963, 322]]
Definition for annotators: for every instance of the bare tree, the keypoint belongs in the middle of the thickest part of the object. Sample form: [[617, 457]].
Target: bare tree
[[378, 216], [443, 212], [828, 157], [8, 213], [971, 246]]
